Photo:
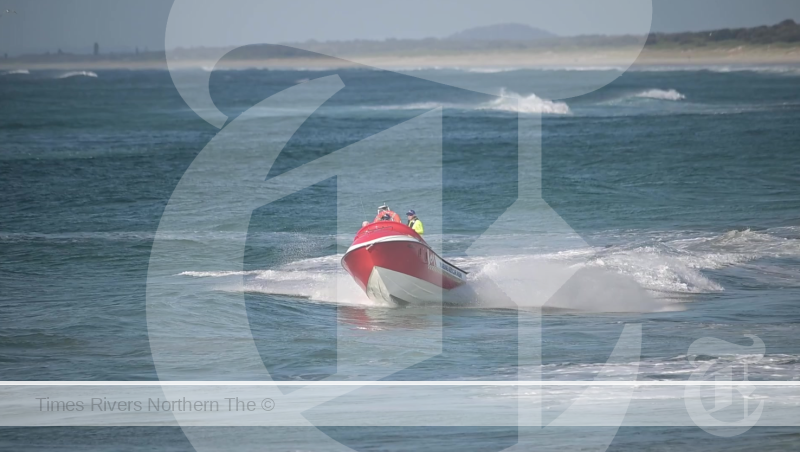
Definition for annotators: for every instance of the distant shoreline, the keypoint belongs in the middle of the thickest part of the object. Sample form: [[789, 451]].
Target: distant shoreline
[[763, 45], [602, 58]]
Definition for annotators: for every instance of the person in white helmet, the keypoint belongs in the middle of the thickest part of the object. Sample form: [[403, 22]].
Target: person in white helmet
[[383, 210]]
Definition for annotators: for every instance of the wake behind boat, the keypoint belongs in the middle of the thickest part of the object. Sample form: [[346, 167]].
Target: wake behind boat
[[391, 262]]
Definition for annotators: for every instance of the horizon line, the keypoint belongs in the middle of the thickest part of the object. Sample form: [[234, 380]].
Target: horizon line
[[407, 383]]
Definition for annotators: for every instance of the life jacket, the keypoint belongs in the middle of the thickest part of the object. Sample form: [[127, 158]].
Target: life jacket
[[416, 225], [395, 217]]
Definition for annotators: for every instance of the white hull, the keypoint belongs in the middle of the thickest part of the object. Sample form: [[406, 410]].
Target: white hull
[[391, 286]]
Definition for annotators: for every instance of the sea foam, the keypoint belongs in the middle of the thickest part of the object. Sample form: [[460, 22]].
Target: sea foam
[[646, 273], [506, 101], [513, 102], [490, 70], [78, 74], [661, 94]]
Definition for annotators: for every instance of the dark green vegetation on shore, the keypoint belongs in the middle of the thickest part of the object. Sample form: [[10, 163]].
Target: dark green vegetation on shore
[[785, 34]]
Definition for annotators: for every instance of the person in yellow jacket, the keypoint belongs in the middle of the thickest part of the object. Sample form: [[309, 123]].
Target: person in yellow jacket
[[414, 223]]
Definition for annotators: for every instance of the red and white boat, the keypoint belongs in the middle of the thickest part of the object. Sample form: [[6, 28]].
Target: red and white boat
[[391, 262]]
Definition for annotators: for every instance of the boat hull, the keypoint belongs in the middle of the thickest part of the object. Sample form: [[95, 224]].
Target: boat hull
[[398, 267]]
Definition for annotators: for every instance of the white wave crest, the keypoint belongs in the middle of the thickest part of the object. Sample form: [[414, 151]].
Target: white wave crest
[[499, 69], [508, 101], [646, 273], [661, 94], [232, 69], [769, 367], [513, 102], [490, 70], [660, 269], [535, 282], [735, 247], [583, 68], [78, 74], [666, 265], [17, 72], [723, 69]]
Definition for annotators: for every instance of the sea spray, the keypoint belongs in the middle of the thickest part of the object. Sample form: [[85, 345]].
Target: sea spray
[[532, 283], [643, 275]]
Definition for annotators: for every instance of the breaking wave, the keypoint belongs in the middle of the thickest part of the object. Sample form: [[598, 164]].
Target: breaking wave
[[583, 68], [773, 69], [644, 274], [507, 101], [769, 367], [499, 69], [513, 102], [680, 265], [78, 74], [661, 94], [17, 72]]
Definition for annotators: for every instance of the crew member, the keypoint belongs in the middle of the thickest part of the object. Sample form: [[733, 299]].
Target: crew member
[[384, 209], [386, 217], [414, 223]]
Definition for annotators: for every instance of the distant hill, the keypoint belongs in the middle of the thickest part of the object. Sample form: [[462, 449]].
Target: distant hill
[[502, 32], [502, 39]]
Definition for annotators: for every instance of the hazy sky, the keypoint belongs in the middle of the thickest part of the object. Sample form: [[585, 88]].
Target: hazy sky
[[74, 25]]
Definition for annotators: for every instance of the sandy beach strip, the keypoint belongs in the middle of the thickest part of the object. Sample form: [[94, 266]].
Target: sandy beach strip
[[601, 58]]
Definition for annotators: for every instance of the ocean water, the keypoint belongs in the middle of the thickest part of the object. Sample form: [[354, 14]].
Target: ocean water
[[681, 185]]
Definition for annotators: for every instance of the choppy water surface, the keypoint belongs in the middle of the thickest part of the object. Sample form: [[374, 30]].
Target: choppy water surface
[[682, 185]]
